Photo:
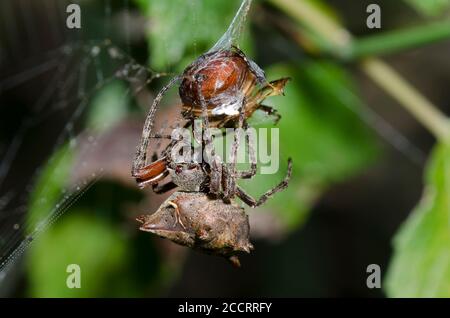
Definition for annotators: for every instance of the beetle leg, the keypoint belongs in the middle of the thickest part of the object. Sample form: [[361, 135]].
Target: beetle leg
[[250, 201]]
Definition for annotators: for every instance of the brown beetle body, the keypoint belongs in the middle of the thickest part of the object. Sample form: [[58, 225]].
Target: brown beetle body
[[152, 173], [223, 78], [226, 80]]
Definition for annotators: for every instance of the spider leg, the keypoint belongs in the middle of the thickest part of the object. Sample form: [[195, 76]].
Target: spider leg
[[207, 138], [210, 153], [248, 174], [152, 173], [222, 133], [164, 188], [250, 201], [140, 158], [245, 197], [224, 181], [197, 131], [160, 136], [231, 180]]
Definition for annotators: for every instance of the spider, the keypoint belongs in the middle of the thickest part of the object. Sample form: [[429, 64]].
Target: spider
[[203, 210], [224, 82], [202, 214], [215, 178]]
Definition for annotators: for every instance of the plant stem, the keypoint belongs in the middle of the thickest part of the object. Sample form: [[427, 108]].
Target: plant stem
[[420, 107], [381, 73], [394, 41], [308, 15]]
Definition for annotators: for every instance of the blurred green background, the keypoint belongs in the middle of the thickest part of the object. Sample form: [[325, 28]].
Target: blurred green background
[[370, 184]]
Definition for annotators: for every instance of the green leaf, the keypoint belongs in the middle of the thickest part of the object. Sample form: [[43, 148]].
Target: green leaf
[[80, 239], [91, 235], [50, 185], [320, 131], [421, 263], [389, 42], [108, 107], [180, 28], [429, 7]]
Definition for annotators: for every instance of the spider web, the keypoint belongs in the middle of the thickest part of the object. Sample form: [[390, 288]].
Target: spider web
[[60, 80], [74, 69]]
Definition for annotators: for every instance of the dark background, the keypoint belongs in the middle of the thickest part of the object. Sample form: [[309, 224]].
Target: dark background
[[351, 225]]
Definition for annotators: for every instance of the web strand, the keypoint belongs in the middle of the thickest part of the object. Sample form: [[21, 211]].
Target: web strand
[[71, 65]]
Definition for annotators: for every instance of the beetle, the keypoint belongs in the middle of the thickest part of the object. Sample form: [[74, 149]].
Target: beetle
[[204, 223]]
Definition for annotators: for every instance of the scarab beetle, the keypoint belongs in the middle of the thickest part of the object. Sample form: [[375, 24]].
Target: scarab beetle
[[226, 80]]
